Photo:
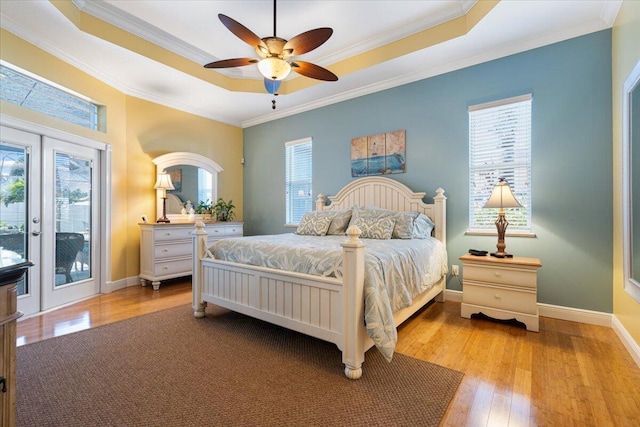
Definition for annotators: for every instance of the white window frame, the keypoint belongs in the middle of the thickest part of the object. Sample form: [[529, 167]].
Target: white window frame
[[500, 147], [298, 173], [49, 98]]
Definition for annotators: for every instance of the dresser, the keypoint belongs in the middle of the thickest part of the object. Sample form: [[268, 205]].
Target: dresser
[[11, 271], [501, 288], [165, 249]]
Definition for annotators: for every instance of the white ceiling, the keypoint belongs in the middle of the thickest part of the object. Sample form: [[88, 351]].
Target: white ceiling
[[191, 29]]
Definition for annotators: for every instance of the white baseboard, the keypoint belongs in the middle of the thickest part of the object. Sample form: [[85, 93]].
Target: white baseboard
[[579, 315], [121, 284], [556, 312], [627, 339], [575, 314]]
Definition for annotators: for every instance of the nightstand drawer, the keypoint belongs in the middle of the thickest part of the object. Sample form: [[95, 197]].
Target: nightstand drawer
[[182, 267], [504, 275], [523, 301], [172, 251]]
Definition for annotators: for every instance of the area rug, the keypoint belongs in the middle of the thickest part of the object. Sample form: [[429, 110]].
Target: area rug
[[171, 369]]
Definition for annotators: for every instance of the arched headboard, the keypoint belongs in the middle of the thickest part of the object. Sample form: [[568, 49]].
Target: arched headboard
[[387, 193]]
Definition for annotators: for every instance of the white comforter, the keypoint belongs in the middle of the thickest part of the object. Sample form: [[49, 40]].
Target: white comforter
[[396, 270]]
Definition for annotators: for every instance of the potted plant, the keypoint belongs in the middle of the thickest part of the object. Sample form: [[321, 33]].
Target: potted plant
[[222, 210], [204, 207]]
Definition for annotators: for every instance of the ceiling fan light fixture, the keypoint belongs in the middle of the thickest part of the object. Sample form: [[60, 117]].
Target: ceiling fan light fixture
[[274, 68]]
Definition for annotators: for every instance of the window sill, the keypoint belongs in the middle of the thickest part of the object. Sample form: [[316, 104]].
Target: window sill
[[495, 233]]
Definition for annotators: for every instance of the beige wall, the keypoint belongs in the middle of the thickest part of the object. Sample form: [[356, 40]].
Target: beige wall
[[153, 130], [137, 131], [625, 55]]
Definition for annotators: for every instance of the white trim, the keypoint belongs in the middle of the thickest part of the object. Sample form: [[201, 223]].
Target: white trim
[[575, 314], [500, 102], [298, 141], [627, 340], [631, 284], [105, 178]]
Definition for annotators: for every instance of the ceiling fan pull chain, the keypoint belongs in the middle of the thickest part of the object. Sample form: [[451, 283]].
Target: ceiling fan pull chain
[[274, 21]]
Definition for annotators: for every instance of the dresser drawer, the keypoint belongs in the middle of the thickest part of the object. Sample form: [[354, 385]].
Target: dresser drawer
[[233, 230], [167, 250], [518, 300], [166, 268], [172, 233], [504, 276], [216, 231]]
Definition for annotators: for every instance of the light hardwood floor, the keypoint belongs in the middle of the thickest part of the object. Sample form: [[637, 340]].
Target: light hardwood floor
[[568, 374]]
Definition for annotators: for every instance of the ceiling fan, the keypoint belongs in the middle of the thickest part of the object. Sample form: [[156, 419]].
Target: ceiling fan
[[276, 54]]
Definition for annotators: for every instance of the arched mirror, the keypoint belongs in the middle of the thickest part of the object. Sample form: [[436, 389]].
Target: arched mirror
[[631, 181], [194, 177]]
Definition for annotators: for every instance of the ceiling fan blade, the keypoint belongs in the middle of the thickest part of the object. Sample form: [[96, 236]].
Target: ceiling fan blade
[[228, 63], [242, 32], [307, 41], [313, 71]]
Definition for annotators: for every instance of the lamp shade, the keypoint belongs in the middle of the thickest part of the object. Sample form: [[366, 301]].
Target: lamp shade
[[502, 197], [164, 182], [274, 68]]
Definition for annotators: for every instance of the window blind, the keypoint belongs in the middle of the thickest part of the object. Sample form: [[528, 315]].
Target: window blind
[[500, 147], [298, 182]]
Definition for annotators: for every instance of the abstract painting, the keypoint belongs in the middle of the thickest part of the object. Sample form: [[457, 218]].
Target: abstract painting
[[379, 154]]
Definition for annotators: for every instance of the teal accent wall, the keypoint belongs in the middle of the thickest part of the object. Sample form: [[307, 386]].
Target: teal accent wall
[[572, 204]]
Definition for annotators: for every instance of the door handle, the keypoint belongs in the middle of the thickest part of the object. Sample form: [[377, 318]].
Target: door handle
[[35, 233]]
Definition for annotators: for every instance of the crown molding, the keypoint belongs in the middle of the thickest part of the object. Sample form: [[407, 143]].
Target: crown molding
[[127, 22], [46, 45], [486, 56]]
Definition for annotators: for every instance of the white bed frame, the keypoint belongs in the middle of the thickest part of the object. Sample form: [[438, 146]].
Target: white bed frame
[[327, 308]]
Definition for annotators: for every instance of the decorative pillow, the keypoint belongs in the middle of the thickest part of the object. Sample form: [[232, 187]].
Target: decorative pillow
[[374, 228], [314, 223], [340, 222], [422, 227], [404, 222]]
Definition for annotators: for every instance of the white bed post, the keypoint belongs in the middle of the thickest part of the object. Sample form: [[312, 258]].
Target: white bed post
[[440, 214], [320, 202], [353, 308], [199, 249]]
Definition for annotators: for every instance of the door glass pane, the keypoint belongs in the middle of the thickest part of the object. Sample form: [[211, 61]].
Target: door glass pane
[[13, 210], [72, 219]]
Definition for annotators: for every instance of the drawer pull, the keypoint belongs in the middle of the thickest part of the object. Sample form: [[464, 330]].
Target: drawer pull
[[167, 234], [165, 268], [497, 274], [165, 250], [497, 296]]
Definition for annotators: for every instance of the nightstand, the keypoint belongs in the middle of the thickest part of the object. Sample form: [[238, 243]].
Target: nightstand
[[501, 288]]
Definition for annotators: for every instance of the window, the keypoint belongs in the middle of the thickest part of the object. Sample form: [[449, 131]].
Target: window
[[299, 197], [21, 89], [500, 147]]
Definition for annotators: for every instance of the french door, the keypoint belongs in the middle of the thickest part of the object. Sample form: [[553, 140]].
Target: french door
[[49, 215]]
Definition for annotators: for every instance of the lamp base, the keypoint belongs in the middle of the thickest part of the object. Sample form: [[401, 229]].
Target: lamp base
[[163, 220], [501, 255]]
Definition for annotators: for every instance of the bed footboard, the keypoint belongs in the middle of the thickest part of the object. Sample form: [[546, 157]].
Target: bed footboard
[[326, 308]]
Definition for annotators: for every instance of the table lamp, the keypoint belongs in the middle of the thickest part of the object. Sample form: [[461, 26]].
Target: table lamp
[[501, 198], [164, 183]]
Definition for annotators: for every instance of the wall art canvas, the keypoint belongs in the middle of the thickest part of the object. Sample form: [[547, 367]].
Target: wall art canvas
[[176, 179], [379, 154]]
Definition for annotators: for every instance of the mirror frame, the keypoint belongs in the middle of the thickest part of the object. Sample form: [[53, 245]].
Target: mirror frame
[[631, 284], [184, 158]]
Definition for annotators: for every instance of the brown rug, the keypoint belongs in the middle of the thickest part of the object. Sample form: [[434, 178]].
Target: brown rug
[[170, 369]]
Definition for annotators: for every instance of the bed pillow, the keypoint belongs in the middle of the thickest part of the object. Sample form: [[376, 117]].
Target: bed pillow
[[315, 223], [422, 227], [404, 222], [340, 222], [374, 228]]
